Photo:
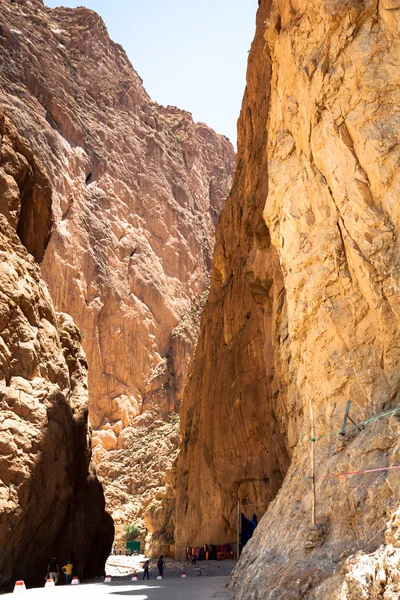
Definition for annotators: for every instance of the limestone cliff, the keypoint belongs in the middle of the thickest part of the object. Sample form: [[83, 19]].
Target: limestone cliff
[[50, 499], [312, 315], [137, 191]]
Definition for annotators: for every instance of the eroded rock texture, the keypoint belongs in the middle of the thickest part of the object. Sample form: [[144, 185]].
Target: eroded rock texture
[[137, 192], [318, 154], [50, 499]]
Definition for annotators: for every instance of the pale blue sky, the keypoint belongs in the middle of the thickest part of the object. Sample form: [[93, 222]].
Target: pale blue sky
[[189, 54]]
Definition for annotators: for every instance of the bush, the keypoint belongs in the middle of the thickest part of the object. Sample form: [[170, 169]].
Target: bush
[[132, 532]]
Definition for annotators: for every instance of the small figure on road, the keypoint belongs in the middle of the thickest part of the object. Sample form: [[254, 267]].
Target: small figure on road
[[68, 572], [53, 570], [161, 565], [146, 567]]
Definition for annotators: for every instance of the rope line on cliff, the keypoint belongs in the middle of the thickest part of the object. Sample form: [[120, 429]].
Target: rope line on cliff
[[330, 475], [360, 426], [357, 425]]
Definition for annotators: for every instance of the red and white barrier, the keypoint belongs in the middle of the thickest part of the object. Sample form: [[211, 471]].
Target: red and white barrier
[[134, 577], [107, 579], [183, 575], [19, 587], [49, 583], [75, 581]]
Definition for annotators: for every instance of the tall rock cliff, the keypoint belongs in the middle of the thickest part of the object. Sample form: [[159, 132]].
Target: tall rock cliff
[[232, 444], [303, 314], [50, 499], [137, 191]]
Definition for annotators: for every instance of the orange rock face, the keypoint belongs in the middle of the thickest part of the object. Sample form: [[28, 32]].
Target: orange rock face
[[232, 443], [47, 486], [303, 311], [137, 189]]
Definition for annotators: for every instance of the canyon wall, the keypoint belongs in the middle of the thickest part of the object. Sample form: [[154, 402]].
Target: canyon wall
[[307, 310], [51, 501], [137, 190], [232, 444]]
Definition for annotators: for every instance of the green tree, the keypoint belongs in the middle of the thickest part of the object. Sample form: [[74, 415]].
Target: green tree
[[132, 532]]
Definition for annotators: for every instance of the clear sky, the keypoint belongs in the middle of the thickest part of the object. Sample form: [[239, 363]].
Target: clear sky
[[189, 54]]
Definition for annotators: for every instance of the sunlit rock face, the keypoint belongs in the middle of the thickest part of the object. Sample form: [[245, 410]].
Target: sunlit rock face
[[50, 499], [314, 320], [137, 190], [232, 447]]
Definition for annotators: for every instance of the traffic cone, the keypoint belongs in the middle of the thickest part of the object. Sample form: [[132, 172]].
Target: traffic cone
[[159, 577], [107, 579], [75, 581], [183, 574], [49, 583], [19, 587], [134, 577]]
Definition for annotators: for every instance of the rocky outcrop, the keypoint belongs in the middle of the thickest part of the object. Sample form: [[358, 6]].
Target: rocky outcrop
[[137, 191], [318, 149], [51, 501]]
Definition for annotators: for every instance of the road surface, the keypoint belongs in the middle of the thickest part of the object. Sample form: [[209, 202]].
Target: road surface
[[191, 588]]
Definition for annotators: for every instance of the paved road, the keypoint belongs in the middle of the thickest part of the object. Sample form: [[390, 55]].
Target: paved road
[[192, 588]]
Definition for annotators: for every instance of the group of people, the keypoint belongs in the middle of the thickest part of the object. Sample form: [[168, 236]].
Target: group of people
[[160, 567], [53, 571]]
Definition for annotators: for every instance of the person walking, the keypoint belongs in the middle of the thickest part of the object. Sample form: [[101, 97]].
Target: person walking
[[53, 570], [68, 572], [161, 565], [146, 567]]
